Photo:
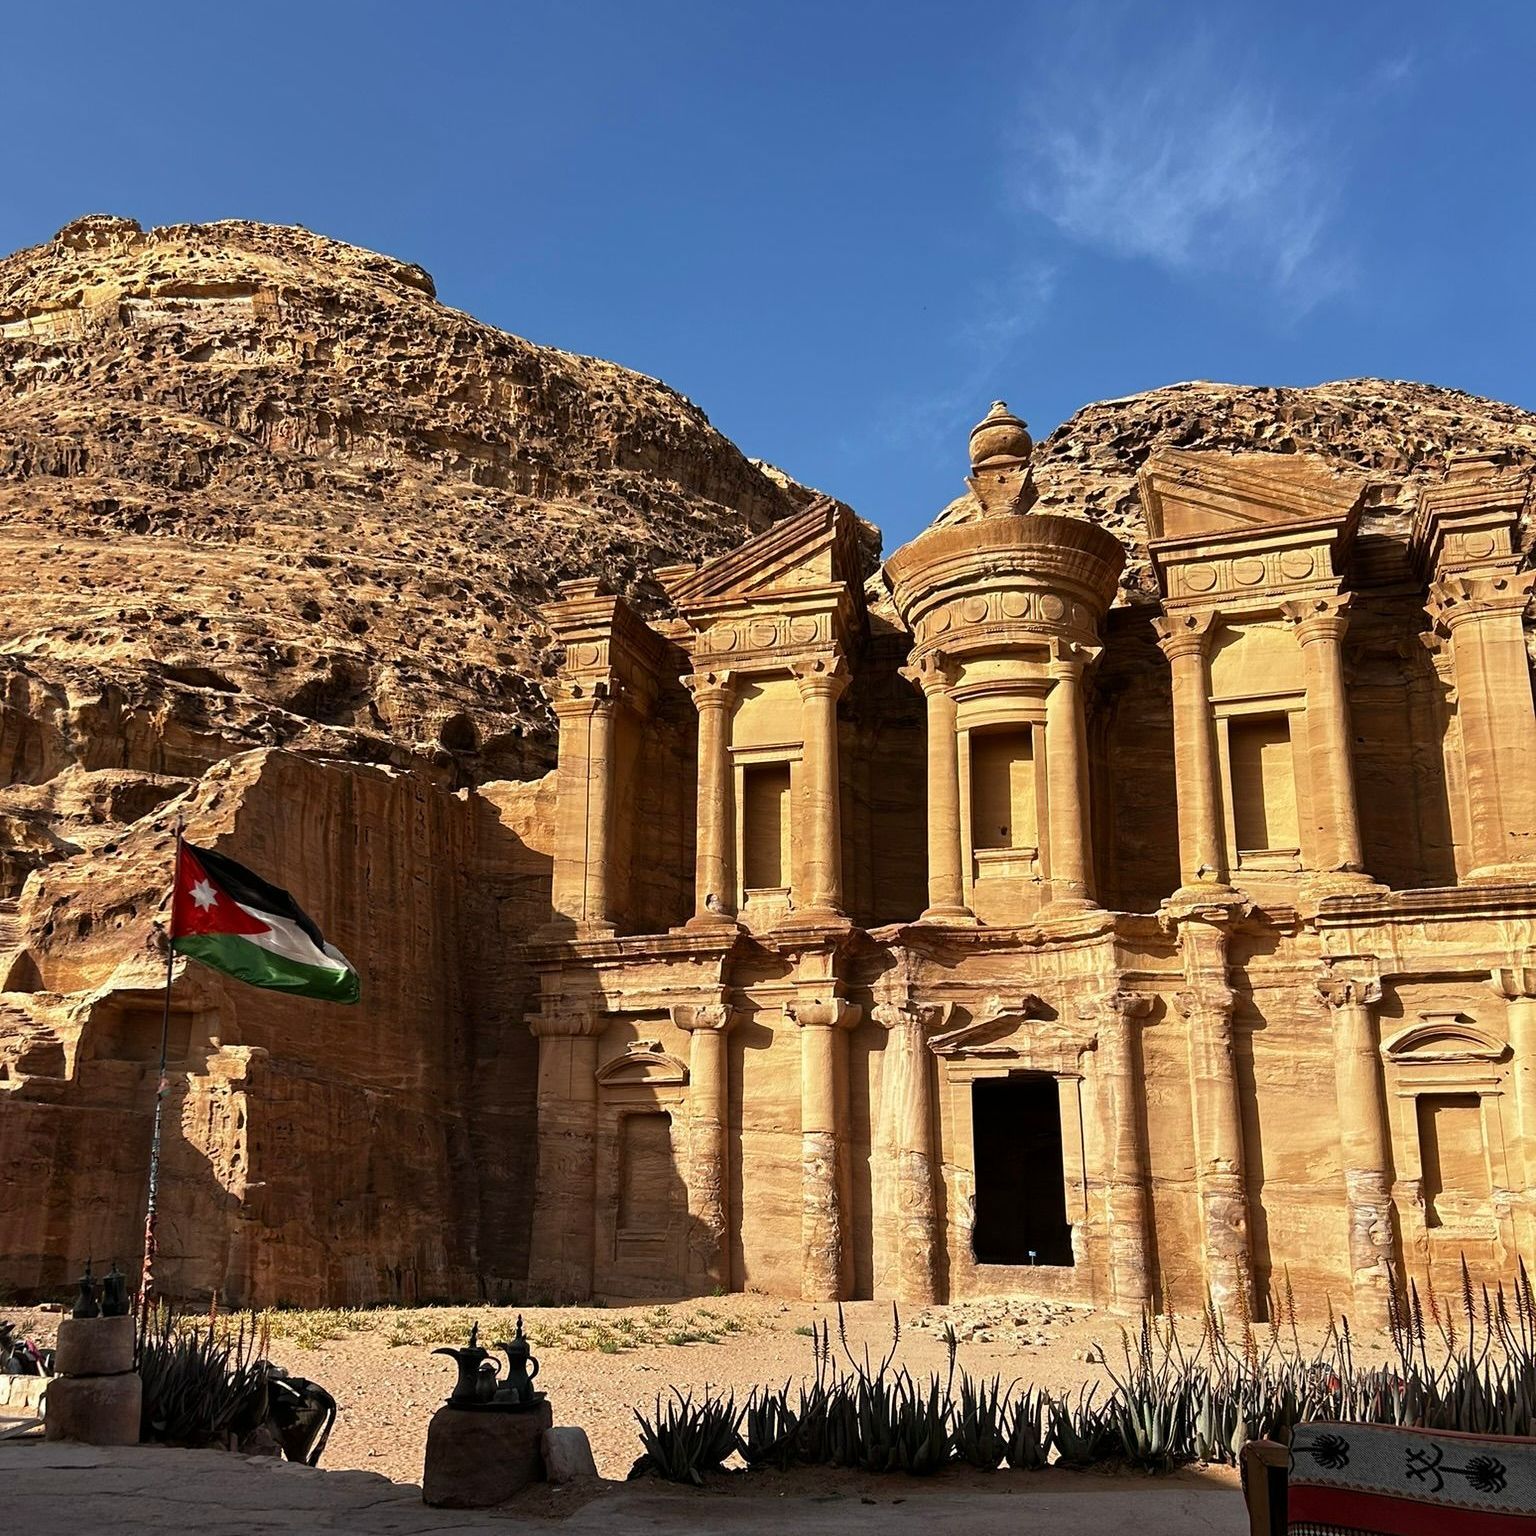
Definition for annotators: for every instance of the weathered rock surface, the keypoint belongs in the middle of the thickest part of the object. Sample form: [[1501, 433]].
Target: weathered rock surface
[[275, 527]]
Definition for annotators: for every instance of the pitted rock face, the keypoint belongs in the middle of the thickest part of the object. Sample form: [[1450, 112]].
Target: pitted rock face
[[260, 489]]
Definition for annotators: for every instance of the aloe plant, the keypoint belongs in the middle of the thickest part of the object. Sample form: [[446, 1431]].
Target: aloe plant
[[684, 1439], [981, 1423]]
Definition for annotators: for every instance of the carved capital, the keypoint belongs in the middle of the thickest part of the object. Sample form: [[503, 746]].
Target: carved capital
[[1209, 1001], [1516, 982], [1460, 599], [1359, 988], [710, 689], [1320, 618], [563, 1021], [1069, 658], [923, 1017], [588, 694], [1116, 1005], [824, 676], [933, 672], [1185, 634], [823, 1013], [704, 1016]]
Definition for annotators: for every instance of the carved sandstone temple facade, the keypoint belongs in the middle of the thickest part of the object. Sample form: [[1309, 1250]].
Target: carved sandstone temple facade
[[966, 930]]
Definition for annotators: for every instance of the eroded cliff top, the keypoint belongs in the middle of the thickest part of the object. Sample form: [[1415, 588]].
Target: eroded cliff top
[[260, 488]]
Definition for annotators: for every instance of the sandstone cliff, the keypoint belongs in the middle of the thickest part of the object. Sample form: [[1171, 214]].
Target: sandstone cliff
[[276, 525]]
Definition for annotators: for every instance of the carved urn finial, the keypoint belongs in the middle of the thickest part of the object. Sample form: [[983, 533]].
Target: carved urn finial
[[1000, 436], [1000, 450]]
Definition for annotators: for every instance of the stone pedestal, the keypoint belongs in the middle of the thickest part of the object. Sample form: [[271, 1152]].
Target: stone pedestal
[[98, 1397], [94, 1346], [477, 1459]]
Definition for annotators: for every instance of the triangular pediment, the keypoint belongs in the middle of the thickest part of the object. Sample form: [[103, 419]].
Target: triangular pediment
[[1192, 495], [816, 548]]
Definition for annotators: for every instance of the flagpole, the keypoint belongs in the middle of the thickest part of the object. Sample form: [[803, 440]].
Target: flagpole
[[146, 1275]]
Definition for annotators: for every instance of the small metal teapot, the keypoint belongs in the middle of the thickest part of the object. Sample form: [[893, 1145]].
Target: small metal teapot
[[516, 1388], [476, 1385]]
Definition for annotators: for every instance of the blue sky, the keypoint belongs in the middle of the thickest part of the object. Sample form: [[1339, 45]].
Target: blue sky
[[843, 229]]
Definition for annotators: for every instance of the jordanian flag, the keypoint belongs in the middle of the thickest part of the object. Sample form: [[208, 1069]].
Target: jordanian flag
[[231, 919]]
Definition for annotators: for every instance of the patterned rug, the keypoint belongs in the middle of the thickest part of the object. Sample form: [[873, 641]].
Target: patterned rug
[[1377, 1480]]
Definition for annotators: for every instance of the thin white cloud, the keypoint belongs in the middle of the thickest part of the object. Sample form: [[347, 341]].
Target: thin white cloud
[[1183, 159]]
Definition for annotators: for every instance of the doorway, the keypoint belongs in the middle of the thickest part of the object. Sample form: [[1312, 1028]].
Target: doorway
[[1021, 1186]]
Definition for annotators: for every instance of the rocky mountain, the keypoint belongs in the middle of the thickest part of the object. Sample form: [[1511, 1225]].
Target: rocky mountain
[[259, 488], [1398, 435]]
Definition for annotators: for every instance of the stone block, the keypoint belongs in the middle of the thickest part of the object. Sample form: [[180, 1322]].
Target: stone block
[[567, 1454], [94, 1346], [478, 1459], [95, 1410]]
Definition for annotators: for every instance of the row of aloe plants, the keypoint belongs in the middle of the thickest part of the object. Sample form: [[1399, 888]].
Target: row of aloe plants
[[1468, 1364]]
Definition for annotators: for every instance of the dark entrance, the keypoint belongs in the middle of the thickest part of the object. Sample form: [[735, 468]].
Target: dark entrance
[[1021, 1187]]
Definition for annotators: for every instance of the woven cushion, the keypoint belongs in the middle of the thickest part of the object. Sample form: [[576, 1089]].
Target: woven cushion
[[1347, 1479]]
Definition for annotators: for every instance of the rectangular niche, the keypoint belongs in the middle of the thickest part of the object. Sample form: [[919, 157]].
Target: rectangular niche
[[1263, 775], [1003, 788], [650, 1186], [766, 826], [1454, 1157]]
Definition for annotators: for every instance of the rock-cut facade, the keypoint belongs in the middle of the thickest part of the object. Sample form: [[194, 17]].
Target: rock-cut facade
[[956, 929]]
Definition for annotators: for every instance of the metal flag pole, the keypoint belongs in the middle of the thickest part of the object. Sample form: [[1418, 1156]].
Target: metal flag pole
[[146, 1276]]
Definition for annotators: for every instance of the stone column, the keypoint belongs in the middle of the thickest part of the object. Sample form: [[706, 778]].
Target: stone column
[[1483, 617], [561, 1254], [818, 877], [584, 809], [1066, 761], [1207, 1004], [715, 858], [709, 1259], [1365, 1141], [935, 675], [1319, 624], [1202, 840], [1516, 984], [905, 1132], [823, 1088], [1117, 1016]]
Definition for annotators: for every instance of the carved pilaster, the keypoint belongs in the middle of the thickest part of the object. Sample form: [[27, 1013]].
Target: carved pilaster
[[1365, 1141], [565, 1193], [708, 1149], [1516, 984], [1207, 1005], [1117, 1016], [1066, 757], [1319, 623], [935, 674], [818, 835], [906, 1127], [823, 1026], [1184, 637], [714, 693]]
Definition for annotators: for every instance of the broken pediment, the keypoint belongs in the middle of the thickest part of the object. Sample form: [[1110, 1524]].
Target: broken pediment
[[643, 1064], [816, 548], [991, 1031], [1207, 495]]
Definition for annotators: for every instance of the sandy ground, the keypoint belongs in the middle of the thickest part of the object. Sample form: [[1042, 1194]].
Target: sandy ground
[[598, 1364]]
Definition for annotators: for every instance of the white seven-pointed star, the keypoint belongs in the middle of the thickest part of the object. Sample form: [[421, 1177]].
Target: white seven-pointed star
[[204, 895]]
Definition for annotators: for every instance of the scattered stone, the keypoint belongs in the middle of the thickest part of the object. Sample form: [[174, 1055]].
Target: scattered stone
[[567, 1454]]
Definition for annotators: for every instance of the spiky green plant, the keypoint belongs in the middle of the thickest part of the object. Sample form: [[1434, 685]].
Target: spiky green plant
[[685, 1439], [201, 1384], [981, 1422]]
